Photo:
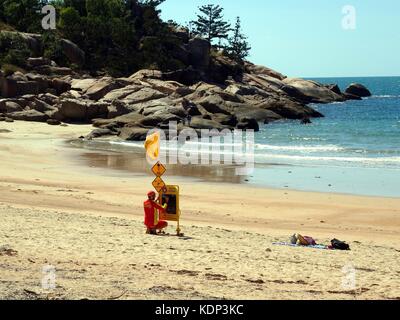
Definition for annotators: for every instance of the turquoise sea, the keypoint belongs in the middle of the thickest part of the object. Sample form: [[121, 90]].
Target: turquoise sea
[[354, 149]]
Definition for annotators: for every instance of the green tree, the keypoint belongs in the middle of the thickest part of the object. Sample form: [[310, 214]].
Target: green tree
[[78, 5], [24, 15], [210, 24], [238, 47], [71, 25]]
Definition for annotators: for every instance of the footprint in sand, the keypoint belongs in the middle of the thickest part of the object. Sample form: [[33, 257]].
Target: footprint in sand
[[186, 272], [217, 277]]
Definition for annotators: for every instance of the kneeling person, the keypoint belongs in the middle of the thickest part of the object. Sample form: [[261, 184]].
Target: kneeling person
[[151, 214]]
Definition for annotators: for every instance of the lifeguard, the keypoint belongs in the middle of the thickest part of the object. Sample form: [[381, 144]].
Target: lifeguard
[[151, 214]]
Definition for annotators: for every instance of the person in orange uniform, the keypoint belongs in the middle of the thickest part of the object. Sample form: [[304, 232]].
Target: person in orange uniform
[[151, 214]]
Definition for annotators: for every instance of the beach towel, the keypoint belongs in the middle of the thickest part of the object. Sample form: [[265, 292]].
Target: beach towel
[[317, 246]]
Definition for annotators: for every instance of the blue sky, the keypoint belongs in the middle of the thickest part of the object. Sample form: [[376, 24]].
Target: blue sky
[[305, 38]]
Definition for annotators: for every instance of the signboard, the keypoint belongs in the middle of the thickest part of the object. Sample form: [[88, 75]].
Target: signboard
[[170, 196], [158, 169], [159, 184]]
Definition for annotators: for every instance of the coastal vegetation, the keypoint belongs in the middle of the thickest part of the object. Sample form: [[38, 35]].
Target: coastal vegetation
[[118, 37]]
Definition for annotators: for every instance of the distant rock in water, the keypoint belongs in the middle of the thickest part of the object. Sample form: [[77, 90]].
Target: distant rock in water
[[335, 88], [306, 121], [358, 90]]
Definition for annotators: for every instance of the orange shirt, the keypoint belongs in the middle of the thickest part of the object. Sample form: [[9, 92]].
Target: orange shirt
[[151, 209]]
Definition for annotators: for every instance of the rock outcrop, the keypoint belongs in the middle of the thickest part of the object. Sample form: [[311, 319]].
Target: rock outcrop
[[212, 93], [358, 90]]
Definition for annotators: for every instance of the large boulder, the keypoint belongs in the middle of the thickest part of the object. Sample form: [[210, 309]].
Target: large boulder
[[359, 90], [169, 87], [223, 68], [48, 98], [71, 94], [248, 124], [121, 93], [224, 119], [289, 109], [145, 74], [117, 108], [349, 96], [8, 87], [143, 95], [37, 62], [29, 115], [101, 87], [334, 87], [9, 106], [33, 41], [187, 76], [132, 117], [264, 82], [199, 52], [307, 91], [259, 114], [40, 105], [97, 133], [201, 123], [82, 84], [157, 119], [74, 110], [213, 104], [42, 81], [73, 52], [96, 110], [255, 69], [133, 133], [60, 85]]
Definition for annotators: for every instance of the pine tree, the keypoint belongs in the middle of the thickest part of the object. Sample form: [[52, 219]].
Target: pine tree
[[211, 24], [238, 47]]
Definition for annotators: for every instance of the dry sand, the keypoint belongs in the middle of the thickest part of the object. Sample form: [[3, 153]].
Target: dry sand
[[87, 223]]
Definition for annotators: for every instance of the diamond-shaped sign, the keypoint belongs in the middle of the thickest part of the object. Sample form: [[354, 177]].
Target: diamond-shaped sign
[[158, 169], [158, 184]]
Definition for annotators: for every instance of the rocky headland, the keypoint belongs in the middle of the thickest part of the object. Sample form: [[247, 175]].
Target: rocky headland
[[212, 92]]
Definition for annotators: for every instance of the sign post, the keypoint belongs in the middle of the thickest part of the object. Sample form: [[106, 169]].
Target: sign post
[[168, 195]]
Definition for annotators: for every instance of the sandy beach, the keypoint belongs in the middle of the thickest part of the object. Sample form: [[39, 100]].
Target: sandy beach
[[87, 222]]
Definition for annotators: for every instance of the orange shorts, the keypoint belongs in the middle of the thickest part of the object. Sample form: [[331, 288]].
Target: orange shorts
[[160, 225]]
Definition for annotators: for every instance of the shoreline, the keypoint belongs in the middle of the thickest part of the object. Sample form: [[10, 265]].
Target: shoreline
[[301, 177], [88, 223]]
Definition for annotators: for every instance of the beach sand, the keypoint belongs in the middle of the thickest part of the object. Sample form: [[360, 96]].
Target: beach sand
[[87, 222]]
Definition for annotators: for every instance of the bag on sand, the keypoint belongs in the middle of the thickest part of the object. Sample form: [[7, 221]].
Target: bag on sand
[[339, 245]]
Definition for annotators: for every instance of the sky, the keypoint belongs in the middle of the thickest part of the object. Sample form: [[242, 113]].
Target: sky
[[307, 38]]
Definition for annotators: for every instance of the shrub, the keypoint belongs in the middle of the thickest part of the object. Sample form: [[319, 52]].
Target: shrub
[[13, 49]]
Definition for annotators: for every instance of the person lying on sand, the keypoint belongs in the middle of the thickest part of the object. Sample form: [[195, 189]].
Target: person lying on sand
[[151, 214]]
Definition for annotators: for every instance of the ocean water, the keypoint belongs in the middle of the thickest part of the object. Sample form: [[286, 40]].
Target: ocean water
[[354, 149], [354, 133]]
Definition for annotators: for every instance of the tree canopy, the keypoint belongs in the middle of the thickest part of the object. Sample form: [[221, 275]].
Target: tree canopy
[[210, 23], [118, 36], [238, 47]]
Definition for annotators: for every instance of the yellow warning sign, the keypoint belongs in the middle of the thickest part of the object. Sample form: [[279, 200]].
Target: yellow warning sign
[[158, 184], [158, 169]]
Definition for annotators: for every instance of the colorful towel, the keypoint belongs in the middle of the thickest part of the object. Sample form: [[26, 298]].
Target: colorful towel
[[318, 246]]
